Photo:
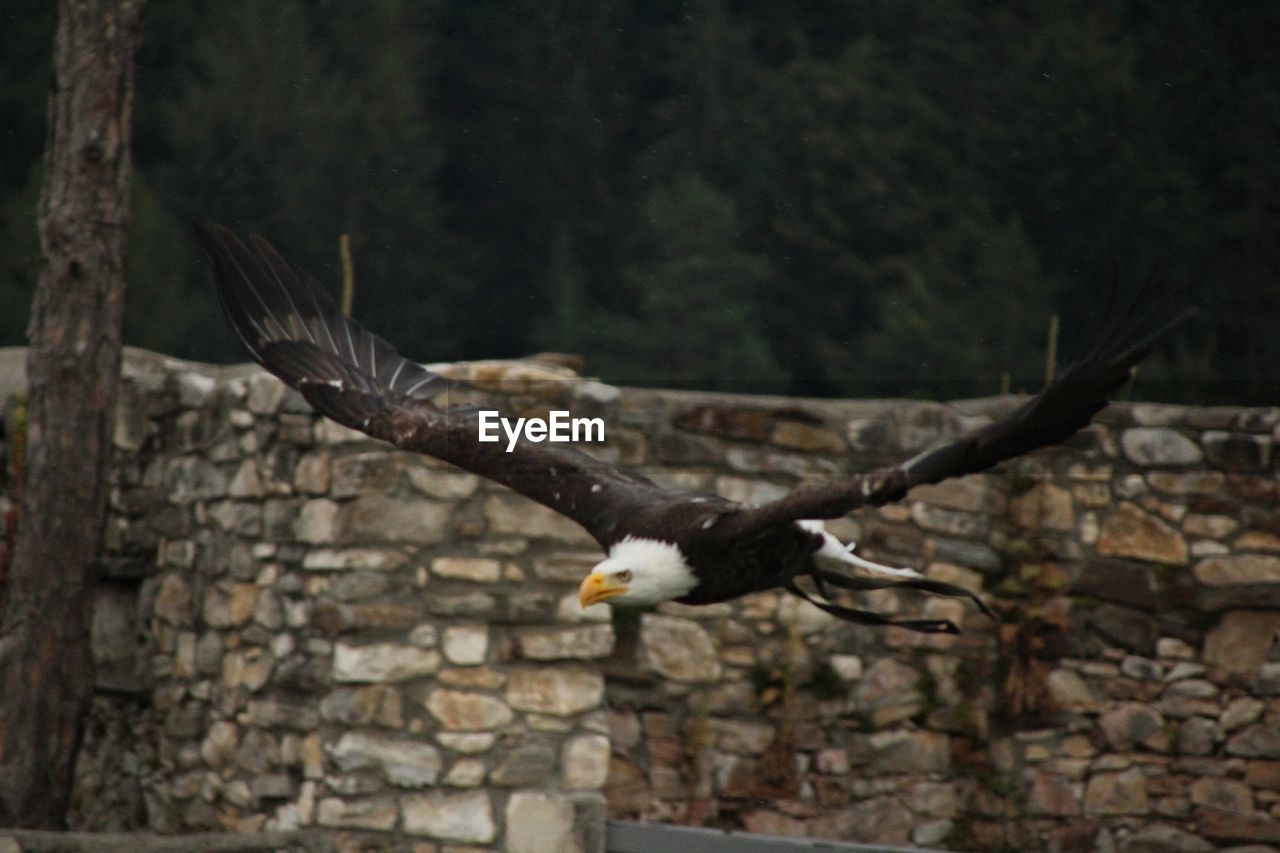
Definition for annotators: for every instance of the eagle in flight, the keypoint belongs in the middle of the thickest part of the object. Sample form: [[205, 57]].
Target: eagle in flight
[[659, 544]]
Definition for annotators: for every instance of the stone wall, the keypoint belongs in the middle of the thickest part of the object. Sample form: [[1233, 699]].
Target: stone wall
[[298, 627]]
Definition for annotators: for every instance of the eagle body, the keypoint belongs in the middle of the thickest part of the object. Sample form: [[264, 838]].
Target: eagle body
[[660, 544]]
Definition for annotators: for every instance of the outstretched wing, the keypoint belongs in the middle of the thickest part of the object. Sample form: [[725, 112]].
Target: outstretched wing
[[294, 329], [1056, 413]]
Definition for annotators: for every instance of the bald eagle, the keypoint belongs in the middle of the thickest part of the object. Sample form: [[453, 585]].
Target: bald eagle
[[659, 544]]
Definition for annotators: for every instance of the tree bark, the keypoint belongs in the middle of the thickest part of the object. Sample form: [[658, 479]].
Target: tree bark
[[73, 368]]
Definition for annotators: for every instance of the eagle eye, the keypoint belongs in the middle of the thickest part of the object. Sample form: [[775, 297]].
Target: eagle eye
[[624, 576]]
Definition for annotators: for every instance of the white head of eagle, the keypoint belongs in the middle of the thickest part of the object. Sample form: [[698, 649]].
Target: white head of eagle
[[638, 571]]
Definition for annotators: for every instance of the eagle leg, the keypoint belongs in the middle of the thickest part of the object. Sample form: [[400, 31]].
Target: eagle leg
[[819, 581], [867, 617], [923, 584], [824, 579]]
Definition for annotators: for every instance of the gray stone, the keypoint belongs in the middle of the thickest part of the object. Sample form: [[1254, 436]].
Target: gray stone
[[1236, 452], [209, 653], [467, 743], [1198, 736], [332, 432], [249, 667], [970, 494], [1052, 794], [1117, 793], [526, 765], [465, 645], [1185, 669], [951, 522], [246, 483], [466, 773], [474, 604], [479, 569], [382, 662], [317, 523], [1127, 531], [579, 642], [1240, 642], [511, 514], [1070, 692], [1172, 647], [899, 751], [1046, 506], [173, 600], [354, 559], [219, 745], [748, 491], [540, 822], [888, 692], [466, 817], [378, 704], [311, 476], [848, 667], [1259, 740], [265, 393], [267, 610], [446, 485], [974, 555], [379, 517], [570, 567], [739, 737], [269, 713], [406, 763], [585, 762], [1241, 712], [1132, 724], [355, 474], [1238, 569], [1120, 581], [555, 691], [1151, 446], [679, 649], [273, 786], [1164, 838], [189, 479], [241, 603], [1143, 669], [797, 614], [931, 833], [1267, 681], [1230, 795], [357, 814], [462, 711]]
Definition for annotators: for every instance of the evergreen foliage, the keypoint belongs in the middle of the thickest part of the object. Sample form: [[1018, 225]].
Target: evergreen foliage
[[817, 197]]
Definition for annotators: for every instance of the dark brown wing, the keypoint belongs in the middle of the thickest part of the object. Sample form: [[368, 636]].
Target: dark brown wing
[[294, 329], [1062, 409]]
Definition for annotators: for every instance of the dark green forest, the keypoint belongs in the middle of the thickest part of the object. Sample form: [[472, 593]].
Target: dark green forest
[[820, 197]]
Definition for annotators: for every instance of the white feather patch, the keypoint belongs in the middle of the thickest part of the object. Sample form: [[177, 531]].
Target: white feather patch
[[834, 552]]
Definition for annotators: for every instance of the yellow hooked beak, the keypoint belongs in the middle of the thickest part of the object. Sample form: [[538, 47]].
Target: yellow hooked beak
[[597, 588]]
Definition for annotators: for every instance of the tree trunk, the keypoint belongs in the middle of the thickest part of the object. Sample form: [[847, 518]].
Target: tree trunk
[[73, 368]]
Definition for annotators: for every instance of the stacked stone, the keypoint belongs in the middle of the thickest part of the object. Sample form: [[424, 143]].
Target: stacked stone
[[340, 635], [1149, 544], [336, 635]]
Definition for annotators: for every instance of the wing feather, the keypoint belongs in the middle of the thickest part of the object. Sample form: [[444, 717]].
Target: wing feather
[[291, 326], [1066, 406]]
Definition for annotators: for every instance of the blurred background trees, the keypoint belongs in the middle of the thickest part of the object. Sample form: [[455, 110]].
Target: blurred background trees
[[817, 197]]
